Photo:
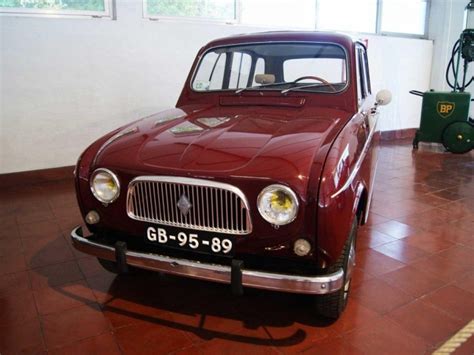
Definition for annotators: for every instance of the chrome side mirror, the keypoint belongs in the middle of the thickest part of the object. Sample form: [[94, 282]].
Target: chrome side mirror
[[384, 97]]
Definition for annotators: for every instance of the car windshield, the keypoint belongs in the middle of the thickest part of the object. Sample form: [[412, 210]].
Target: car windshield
[[315, 67]]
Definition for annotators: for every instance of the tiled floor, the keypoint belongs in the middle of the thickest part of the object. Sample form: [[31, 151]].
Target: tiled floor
[[413, 286]]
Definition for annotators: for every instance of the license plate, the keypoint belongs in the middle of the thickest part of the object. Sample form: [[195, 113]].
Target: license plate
[[203, 242]]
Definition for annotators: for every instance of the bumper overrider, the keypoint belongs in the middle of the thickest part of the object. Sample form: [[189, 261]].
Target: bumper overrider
[[236, 275]]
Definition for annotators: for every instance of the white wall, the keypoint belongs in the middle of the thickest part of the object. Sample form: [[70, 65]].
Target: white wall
[[65, 82], [400, 65], [446, 25]]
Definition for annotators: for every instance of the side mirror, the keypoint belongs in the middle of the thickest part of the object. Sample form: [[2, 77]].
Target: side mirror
[[384, 97]]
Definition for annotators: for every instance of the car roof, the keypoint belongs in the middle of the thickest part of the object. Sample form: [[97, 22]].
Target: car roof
[[284, 36]]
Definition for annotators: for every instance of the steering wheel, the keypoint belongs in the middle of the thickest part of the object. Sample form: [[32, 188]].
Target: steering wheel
[[325, 82]]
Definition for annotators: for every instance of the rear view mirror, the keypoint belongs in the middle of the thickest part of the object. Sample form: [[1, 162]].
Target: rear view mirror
[[264, 78], [384, 97]]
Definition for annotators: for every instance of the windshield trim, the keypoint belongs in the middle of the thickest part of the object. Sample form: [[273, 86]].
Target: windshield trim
[[348, 81]]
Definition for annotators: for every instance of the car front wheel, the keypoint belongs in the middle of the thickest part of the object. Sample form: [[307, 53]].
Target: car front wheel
[[333, 304]]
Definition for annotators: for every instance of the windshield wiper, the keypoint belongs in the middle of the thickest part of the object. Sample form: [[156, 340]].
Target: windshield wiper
[[238, 91], [296, 88]]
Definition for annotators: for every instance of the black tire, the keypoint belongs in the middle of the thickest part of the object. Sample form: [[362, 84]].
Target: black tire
[[110, 266], [456, 145], [333, 304]]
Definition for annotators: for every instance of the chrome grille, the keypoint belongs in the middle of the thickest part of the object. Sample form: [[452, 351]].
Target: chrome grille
[[189, 203]]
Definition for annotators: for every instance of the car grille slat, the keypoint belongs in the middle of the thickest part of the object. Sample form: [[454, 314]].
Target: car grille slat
[[173, 198], [147, 201], [165, 202], [193, 210], [207, 205], [150, 201], [140, 200], [213, 207], [156, 201]]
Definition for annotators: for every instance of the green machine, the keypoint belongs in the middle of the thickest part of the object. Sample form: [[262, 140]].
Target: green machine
[[445, 115]]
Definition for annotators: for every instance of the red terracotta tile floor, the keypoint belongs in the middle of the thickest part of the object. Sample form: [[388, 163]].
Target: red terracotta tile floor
[[413, 285]]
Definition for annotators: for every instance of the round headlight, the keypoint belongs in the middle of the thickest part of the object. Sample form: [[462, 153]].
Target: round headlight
[[278, 204], [105, 185]]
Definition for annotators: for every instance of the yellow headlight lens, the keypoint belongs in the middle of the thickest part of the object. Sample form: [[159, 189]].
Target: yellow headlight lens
[[105, 185], [278, 204]]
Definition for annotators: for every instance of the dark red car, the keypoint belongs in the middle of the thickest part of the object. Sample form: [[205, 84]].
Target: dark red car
[[259, 177]]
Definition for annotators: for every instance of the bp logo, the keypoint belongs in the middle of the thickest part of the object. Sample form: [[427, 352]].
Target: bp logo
[[445, 109]]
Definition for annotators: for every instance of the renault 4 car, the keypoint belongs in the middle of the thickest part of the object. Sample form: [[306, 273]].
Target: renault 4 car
[[259, 177]]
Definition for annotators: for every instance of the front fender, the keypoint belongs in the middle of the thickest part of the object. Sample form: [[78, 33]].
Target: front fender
[[344, 184]]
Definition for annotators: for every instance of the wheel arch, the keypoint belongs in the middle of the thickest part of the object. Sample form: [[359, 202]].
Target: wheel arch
[[361, 204]]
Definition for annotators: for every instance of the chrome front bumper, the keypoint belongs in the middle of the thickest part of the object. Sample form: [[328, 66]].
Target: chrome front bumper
[[213, 272]]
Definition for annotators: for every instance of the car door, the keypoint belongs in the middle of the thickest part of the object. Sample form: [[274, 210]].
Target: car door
[[370, 117]]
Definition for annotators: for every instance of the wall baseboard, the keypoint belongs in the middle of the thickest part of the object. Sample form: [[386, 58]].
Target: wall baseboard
[[36, 176], [398, 134], [66, 172]]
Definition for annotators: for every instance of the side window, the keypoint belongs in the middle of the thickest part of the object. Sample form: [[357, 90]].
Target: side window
[[240, 70], [359, 81], [363, 88], [259, 69], [367, 73]]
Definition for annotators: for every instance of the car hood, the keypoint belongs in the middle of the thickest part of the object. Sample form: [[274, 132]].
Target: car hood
[[207, 141]]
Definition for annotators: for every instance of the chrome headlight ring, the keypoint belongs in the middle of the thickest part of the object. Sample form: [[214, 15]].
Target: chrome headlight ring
[[109, 181], [282, 197]]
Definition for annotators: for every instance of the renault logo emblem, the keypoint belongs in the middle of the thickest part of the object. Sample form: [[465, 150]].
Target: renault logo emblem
[[184, 205]]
